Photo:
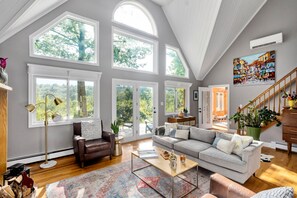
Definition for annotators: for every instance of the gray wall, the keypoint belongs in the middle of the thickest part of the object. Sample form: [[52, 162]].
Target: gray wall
[[22, 141], [275, 16]]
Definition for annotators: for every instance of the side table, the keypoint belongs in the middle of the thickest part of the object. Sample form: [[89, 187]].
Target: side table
[[118, 146]]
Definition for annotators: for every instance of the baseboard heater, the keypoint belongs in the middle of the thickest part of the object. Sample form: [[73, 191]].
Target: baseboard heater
[[280, 145], [40, 157]]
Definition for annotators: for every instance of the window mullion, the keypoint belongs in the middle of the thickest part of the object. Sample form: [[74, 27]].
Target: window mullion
[[68, 100]]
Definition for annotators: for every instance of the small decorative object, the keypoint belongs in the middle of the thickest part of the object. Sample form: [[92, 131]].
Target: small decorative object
[[3, 74], [291, 98], [183, 159], [165, 155], [185, 112], [180, 114], [195, 95], [115, 127], [173, 160], [256, 69]]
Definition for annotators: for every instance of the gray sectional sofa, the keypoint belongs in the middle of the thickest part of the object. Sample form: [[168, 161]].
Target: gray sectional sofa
[[200, 147]]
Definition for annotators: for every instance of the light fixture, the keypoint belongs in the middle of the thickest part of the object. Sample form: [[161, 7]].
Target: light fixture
[[54, 116]]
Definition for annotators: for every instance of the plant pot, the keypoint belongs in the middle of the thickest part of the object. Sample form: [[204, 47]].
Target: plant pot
[[254, 132], [291, 103]]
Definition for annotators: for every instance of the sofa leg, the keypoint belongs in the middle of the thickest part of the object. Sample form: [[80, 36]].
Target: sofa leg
[[254, 174], [82, 164]]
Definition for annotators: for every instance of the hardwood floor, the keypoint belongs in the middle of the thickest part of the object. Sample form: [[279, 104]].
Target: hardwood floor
[[281, 171]]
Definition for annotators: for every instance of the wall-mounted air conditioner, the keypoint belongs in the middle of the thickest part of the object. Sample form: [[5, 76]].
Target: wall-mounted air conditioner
[[266, 41]]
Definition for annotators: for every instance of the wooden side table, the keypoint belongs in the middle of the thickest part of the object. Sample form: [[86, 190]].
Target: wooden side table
[[118, 146]]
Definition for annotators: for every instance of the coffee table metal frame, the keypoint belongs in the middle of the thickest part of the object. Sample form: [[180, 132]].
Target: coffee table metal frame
[[134, 153]]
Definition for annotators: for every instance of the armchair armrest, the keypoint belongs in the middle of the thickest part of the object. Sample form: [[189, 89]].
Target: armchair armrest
[[221, 186], [110, 137], [79, 146], [160, 130]]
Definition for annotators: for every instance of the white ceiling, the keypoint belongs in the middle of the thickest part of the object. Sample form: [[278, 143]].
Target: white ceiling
[[205, 29]]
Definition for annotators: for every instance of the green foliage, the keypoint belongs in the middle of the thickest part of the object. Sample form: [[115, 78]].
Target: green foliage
[[175, 67], [256, 117], [130, 53], [115, 126]]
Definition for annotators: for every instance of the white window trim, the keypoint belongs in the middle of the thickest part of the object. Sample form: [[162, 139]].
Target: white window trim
[[54, 22], [61, 73], [140, 38], [145, 11], [176, 84], [182, 60]]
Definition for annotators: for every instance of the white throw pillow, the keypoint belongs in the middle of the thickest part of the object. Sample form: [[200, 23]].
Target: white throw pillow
[[91, 129], [246, 141], [169, 127], [224, 145], [238, 147], [182, 134]]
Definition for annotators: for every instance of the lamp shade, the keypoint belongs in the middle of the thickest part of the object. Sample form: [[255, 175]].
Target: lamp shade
[[56, 117], [58, 101], [30, 107]]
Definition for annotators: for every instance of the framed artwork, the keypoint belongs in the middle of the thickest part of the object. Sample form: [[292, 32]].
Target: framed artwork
[[256, 69], [195, 95]]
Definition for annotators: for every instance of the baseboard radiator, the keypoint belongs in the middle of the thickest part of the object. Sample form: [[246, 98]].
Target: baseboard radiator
[[280, 145], [40, 157]]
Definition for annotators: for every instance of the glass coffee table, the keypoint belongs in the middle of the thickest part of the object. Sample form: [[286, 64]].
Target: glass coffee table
[[163, 165]]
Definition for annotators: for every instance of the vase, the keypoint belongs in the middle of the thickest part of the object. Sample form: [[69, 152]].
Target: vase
[[254, 132], [3, 76], [291, 103]]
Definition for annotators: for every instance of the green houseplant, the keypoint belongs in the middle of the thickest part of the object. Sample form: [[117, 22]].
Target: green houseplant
[[254, 119], [115, 127]]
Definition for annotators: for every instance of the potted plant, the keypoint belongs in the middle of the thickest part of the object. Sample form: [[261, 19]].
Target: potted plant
[[255, 119], [115, 127], [185, 112], [291, 98]]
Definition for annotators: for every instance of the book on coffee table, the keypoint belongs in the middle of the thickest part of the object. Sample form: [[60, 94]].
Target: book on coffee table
[[147, 153]]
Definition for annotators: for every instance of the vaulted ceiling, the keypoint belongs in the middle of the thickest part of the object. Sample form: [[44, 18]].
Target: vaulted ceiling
[[205, 29]]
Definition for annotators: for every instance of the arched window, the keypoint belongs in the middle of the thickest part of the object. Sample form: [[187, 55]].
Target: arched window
[[136, 16]]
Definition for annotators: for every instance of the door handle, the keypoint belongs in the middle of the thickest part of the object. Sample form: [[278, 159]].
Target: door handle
[[155, 112]]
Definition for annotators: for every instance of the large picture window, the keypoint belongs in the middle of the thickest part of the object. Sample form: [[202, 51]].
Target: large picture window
[[69, 38], [131, 52], [79, 91], [177, 96], [175, 64]]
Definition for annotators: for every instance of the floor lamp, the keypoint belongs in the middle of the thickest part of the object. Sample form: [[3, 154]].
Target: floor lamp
[[47, 112]]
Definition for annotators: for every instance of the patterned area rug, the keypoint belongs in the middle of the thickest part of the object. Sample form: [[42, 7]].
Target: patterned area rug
[[118, 181]]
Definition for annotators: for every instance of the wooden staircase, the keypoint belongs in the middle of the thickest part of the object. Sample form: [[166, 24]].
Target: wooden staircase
[[272, 97]]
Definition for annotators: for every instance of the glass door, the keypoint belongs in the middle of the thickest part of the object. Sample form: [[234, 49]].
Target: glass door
[[135, 107]]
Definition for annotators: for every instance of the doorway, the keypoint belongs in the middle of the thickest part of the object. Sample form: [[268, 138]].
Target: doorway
[[213, 107], [135, 107]]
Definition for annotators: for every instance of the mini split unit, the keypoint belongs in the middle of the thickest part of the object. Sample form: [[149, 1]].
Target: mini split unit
[[266, 41]]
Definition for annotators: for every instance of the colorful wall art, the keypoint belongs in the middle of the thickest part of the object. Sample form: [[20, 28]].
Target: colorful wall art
[[254, 69]]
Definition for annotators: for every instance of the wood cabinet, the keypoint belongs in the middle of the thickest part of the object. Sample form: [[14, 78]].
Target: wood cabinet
[[3, 127], [191, 120], [289, 123]]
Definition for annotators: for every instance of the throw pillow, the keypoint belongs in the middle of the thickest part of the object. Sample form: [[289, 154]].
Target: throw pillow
[[223, 145], [172, 133], [182, 134], [281, 192], [183, 127], [238, 147], [91, 129], [169, 127], [246, 141]]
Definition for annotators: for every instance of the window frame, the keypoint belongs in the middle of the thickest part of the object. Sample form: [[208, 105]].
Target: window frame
[[127, 33], [175, 85], [44, 71], [56, 21], [181, 57], [144, 10]]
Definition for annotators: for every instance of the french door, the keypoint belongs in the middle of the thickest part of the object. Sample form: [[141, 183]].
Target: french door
[[204, 107], [135, 107]]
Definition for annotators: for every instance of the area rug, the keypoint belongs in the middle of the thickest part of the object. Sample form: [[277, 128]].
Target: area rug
[[118, 181]]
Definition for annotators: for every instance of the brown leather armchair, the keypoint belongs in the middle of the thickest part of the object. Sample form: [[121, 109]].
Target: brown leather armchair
[[85, 150], [223, 187]]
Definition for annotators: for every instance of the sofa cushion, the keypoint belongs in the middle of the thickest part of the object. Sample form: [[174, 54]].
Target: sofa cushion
[[280, 192], [166, 140], [217, 157], [223, 135], [183, 127], [224, 145], [182, 134], [203, 135], [191, 147]]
